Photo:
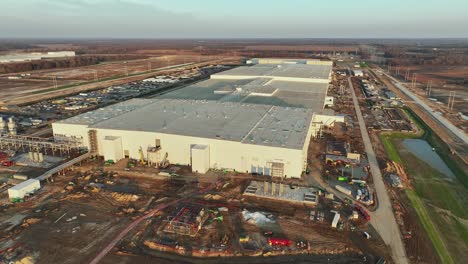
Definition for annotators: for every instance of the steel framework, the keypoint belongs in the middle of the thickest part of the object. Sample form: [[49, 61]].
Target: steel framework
[[45, 145]]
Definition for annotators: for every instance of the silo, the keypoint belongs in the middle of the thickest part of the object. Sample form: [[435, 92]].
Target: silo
[[36, 156], [3, 125], [12, 126]]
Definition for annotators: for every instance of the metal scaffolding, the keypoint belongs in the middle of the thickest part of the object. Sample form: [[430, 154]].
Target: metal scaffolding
[[61, 145]]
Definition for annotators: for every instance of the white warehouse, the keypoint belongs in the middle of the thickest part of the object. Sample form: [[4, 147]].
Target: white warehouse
[[255, 119], [21, 190]]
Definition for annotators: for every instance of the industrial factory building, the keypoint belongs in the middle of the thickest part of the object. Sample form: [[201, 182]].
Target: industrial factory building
[[255, 119]]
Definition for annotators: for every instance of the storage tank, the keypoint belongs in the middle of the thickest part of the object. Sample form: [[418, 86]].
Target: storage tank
[[3, 125], [36, 156], [11, 126]]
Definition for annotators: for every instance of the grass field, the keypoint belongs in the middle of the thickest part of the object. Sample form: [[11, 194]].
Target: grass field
[[429, 227], [441, 204]]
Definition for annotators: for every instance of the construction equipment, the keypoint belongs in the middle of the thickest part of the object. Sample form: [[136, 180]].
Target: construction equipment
[[142, 157], [219, 219], [7, 163], [279, 242], [363, 212], [349, 201], [244, 239], [165, 162]]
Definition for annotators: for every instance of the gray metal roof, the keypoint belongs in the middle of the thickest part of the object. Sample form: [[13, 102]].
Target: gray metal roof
[[247, 123], [260, 110], [282, 93], [108, 112], [281, 70]]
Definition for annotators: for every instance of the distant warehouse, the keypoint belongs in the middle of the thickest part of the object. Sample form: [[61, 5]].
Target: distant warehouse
[[255, 119]]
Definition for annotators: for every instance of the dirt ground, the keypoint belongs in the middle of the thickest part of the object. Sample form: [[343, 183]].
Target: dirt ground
[[445, 79], [44, 79], [111, 69], [318, 48], [9, 88], [71, 219], [440, 74]]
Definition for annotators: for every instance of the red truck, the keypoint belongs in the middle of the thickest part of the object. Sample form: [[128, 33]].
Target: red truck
[[363, 212], [7, 163], [281, 242]]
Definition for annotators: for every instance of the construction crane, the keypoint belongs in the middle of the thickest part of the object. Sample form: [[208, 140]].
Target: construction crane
[[142, 157]]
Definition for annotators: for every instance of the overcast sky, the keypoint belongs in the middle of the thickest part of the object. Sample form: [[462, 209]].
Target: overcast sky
[[233, 18]]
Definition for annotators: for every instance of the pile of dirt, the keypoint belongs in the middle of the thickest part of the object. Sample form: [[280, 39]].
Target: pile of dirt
[[30, 221], [402, 173], [78, 195], [215, 197], [122, 197], [25, 260], [128, 210]]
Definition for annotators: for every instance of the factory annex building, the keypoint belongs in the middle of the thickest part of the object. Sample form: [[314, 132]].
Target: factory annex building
[[257, 119]]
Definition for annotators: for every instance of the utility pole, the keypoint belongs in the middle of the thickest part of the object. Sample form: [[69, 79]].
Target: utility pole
[[428, 88], [451, 100], [200, 51], [149, 65], [413, 82], [126, 69], [95, 75], [54, 78], [407, 74], [398, 71]]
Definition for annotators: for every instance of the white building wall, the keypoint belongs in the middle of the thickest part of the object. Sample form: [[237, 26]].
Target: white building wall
[[72, 130], [223, 153]]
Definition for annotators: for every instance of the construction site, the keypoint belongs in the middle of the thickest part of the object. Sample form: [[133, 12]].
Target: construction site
[[146, 193], [209, 156]]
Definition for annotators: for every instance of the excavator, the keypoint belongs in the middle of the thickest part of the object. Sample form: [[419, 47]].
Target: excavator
[[142, 157]]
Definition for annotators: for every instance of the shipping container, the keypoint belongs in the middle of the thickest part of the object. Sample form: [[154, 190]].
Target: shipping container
[[343, 190]]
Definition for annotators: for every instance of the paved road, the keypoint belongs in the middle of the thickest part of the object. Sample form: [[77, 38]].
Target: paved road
[[42, 132], [383, 219], [445, 122]]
